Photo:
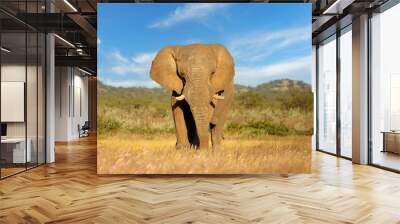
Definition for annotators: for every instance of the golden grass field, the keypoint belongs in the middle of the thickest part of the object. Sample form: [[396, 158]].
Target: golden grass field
[[137, 154], [268, 130]]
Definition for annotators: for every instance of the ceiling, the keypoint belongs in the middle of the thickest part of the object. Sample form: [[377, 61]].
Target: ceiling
[[75, 21], [329, 16]]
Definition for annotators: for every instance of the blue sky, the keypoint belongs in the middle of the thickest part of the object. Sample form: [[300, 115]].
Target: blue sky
[[267, 41]]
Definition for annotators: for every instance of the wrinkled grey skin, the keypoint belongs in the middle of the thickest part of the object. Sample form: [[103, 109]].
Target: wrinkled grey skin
[[201, 79]]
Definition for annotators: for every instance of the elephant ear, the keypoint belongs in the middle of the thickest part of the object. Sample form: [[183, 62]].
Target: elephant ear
[[164, 70], [225, 71]]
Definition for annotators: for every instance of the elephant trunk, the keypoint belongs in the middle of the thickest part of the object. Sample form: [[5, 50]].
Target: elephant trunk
[[200, 115], [199, 100]]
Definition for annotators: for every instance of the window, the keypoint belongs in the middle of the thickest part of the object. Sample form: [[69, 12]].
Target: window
[[327, 95], [385, 89], [22, 88], [346, 92]]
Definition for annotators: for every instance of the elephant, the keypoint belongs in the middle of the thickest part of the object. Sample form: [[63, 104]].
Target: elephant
[[201, 78]]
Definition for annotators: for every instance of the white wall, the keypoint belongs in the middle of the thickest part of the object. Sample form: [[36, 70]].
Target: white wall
[[80, 110], [14, 72], [13, 101], [17, 72], [33, 126], [71, 87], [62, 81]]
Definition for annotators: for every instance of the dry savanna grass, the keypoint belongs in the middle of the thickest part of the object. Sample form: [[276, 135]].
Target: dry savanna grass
[[137, 154], [268, 130]]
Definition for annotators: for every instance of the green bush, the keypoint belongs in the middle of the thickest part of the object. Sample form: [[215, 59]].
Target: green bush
[[259, 128], [108, 125], [150, 131], [249, 100], [281, 107], [298, 99]]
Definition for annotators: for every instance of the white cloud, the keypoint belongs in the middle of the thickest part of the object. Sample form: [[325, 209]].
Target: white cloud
[[144, 58], [139, 64], [194, 11], [98, 41], [134, 69], [129, 83], [259, 44], [126, 69], [255, 74], [244, 75], [116, 55]]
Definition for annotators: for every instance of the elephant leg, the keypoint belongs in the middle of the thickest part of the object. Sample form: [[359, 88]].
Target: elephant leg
[[220, 115], [180, 124]]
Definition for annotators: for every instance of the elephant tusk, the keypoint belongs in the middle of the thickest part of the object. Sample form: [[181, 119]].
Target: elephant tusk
[[218, 97], [181, 97]]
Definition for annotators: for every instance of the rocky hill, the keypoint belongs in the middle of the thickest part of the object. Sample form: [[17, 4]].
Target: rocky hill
[[281, 85]]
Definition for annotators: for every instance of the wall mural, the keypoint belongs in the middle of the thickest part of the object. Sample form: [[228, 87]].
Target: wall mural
[[204, 88]]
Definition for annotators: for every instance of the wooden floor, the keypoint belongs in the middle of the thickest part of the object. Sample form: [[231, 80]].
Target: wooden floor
[[69, 191]]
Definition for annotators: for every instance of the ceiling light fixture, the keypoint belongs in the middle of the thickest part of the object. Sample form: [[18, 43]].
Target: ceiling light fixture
[[79, 51], [64, 40], [337, 7], [84, 71], [70, 5], [5, 50]]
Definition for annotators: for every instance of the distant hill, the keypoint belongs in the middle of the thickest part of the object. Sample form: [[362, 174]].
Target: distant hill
[[275, 85], [285, 85]]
